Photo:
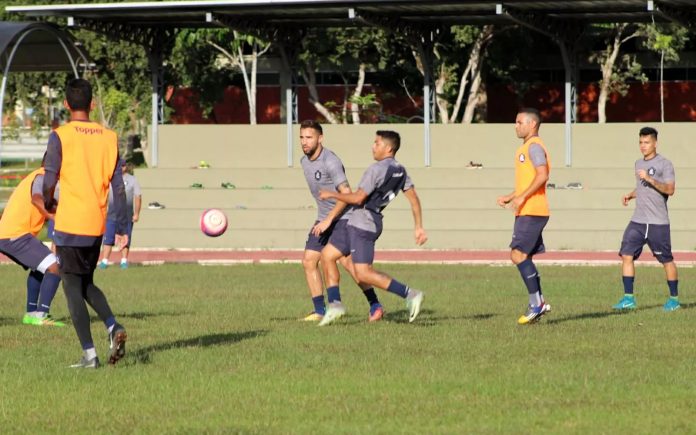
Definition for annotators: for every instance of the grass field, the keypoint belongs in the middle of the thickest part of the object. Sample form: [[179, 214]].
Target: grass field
[[219, 350]]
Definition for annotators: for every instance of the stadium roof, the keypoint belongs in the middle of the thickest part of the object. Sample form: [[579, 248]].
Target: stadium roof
[[313, 13], [37, 47]]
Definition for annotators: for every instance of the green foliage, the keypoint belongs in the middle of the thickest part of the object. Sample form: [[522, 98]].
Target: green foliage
[[667, 38]]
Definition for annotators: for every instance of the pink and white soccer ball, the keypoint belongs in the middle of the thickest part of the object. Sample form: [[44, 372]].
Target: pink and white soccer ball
[[213, 222]]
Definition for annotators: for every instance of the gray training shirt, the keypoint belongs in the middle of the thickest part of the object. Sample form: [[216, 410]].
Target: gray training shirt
[[132, 190], [651, 205], [324, 173], [372, 179]]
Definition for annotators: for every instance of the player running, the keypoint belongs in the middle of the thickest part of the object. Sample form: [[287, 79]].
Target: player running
[[85, 154], [650, 221], [324, 170], [379, 185], [528, 200]]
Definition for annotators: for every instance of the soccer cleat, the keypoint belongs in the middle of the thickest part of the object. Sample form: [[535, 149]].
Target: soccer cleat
[[335, 311], [48, 320], [117, 344], [626, 303], [376, 313], [533, 314], [196, 186], [85, 363], [124, 265], [672, 304], [227, 185], [312, 317], [414, 300], [103, 264], [155, 206]]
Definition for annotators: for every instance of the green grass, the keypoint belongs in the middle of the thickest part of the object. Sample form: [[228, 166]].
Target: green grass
[[219, 350]]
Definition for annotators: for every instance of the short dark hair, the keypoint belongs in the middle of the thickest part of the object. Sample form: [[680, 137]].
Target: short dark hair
[[392, 138], [78, 93], [308, 123], [534, 113], [648, 131]]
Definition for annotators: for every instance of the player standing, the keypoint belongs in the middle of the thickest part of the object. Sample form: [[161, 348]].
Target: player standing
[[85, 155], [532, 167], [324, 170], [655, 183], [379, 185], [133, 204]]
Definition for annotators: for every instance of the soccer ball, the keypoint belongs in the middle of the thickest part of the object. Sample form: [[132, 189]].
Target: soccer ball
[[213, 222]]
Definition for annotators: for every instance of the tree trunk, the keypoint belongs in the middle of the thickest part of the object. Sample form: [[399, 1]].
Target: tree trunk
[[251, 94], [354, 106], [476, 57], [311, 80], [607, 70], [474, 98], [440, 100]]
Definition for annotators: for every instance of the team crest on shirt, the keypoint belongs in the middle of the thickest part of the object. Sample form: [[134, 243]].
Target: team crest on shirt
[[317, 175], [651, 171], [522, 158]]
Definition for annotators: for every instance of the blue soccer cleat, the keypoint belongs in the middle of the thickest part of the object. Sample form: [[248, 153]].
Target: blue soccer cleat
[[628, 302], [672, 304]]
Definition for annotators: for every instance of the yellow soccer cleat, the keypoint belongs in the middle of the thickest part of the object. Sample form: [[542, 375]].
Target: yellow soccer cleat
[[312, 317]]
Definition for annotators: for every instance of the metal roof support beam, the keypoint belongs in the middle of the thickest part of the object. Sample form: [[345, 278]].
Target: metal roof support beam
[[565, 36]]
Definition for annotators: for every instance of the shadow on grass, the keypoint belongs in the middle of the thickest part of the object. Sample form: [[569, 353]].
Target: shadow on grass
[[600, 314], [10, 321], [143, 355], [140, 315], [688, 306]]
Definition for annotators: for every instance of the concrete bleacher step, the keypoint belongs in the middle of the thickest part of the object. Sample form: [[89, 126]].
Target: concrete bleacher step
[[272, 208]]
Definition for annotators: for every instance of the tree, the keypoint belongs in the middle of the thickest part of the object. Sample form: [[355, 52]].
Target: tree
[[342, 50], [208, 58], [615, 69], [454, 82], [667, 40]]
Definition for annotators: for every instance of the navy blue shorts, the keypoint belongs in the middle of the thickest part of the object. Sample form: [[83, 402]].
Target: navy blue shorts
[[526, 235], [356, 242], [110, 234], [656, 236], [362, 244], [339, 237], [317, 243], [28, 252]]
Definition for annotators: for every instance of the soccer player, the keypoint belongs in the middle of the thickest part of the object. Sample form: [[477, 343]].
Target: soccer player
[[21, 221], [324, 170], [379, 185], [133, 204], [85, 155], [528, 200], [650, 221]]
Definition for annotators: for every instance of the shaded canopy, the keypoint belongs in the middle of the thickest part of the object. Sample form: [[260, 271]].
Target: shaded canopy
[[42, 47]]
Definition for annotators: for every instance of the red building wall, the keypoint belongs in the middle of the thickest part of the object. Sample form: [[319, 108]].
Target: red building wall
[[641, 104], [234, 109]]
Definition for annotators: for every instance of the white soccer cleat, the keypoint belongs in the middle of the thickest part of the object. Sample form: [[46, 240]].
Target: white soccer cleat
[[334, 311], [414, 300]]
